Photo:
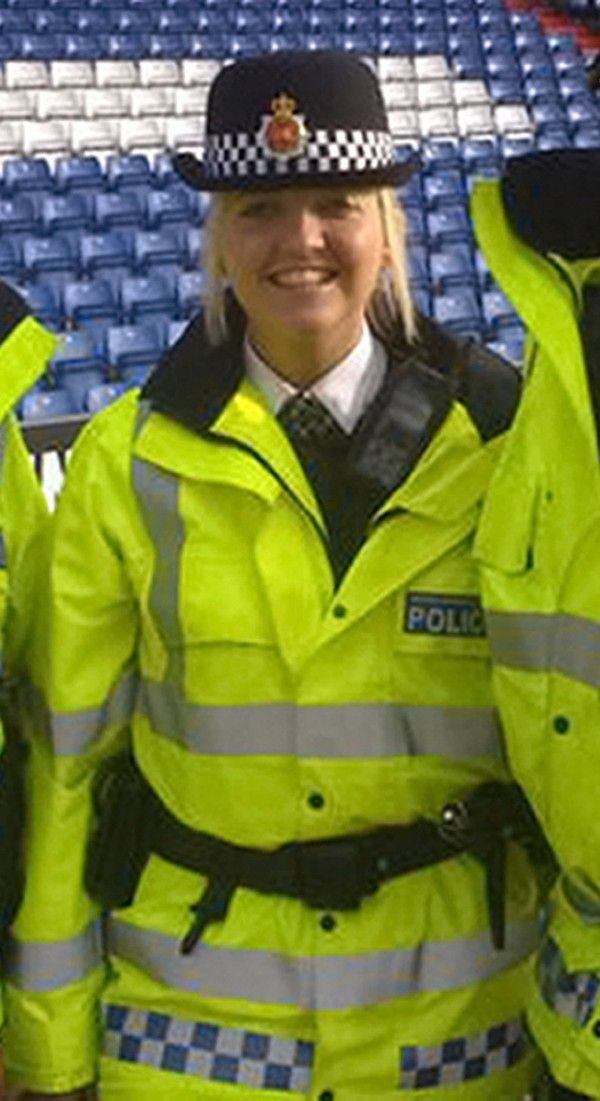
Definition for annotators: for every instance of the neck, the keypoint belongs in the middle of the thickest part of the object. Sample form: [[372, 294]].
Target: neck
[[303, 358]]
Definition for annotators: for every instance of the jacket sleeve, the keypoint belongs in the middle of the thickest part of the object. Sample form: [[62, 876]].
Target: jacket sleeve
[[84, 645]]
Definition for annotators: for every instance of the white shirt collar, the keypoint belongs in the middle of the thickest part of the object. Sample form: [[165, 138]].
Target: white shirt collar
[[346, 390]]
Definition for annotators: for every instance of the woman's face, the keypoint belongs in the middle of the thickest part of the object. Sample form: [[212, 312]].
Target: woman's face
[[304, 262]]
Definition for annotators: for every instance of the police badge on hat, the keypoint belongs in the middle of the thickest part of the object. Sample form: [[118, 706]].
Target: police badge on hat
[[283, 134]]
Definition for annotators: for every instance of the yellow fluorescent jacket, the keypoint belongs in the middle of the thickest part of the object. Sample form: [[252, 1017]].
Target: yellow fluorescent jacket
[[192, 602], [538, 544]]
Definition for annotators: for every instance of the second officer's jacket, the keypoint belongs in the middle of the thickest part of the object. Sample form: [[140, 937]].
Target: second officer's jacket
[[539, 546], [193, 610]]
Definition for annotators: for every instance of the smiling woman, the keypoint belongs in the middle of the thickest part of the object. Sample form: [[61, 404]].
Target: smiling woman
[[267, 672]]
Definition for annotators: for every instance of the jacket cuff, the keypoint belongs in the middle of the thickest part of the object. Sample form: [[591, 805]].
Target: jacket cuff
[[13, 310]]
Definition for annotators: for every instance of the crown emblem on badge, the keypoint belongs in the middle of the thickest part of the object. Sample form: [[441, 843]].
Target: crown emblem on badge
[[283, 133]]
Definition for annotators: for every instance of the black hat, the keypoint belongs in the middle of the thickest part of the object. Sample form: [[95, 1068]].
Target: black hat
[[295, 117]]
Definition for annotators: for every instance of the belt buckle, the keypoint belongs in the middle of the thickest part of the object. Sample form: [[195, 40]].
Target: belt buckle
[[334, 874]]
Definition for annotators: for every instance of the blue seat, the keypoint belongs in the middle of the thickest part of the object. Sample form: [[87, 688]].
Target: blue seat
[[415, 223], [100, 396], [157, 249], [451, 267], [441, 188], [64, 212], [458, 309], [123, 172], [422, 300], [553, 137], [449, 223], [167, 45], [516, 147], [163, 173], [441, 155], [89, 23], [25, 175], [418, 263], [78, 174], [172, 206], [479, 153], [75, 351], [190, 285], [106, 255], [192, 239], [147, 295], [587, 137], [40, 47], [134, 21], [130, 47], [115, 208], [175, 330], [582, 109], [41, 405], [17, 217], [10, 263], [43, 300], [48, 258], [134, 346], [90, 302], [86, 46], [497, 310]]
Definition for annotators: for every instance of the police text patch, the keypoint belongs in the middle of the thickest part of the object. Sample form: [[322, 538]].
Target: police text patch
[[447, 614]]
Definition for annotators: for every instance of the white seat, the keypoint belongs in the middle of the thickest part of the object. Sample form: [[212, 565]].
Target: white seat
[[437, 121], [466, 92], [404, 123], [155, 71], [431, 67], [51, 136], [185, 132], [71, 74], [147, 102], [116, 74], [475, 119], [400, 93], [199, 70], [434, 93], [191, 100], [142, 135], [512, 119], [95, 135], [396, 68], [59, 103], [107, 102], [26, 74], [17, 103], [11, 138]]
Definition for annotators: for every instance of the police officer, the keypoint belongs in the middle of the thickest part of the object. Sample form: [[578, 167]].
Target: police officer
[[539, 543], [276, 755]]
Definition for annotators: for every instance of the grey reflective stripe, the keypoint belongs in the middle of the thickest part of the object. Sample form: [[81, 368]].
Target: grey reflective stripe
[[158, 498], [572, 994], [328, 732], [564, 644], [42, 967], [319, 982], [74, 731]]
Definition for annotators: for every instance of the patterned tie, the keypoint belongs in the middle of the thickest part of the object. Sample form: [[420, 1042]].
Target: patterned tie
[[309, 424]]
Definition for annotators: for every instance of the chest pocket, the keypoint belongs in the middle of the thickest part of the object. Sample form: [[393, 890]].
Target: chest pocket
[[221, 600]]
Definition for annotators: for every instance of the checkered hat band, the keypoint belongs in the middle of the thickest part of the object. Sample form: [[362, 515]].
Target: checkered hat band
[[572, 994], [463, 1059], [209, 1051], [242, 157]]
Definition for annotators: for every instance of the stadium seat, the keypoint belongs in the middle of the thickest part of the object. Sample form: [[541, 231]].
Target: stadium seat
[[10, 264], [497, 310], [92, 136], [41, 47], [449, 223], [25, 175], [451, 267], [105, 255], [124, 172], [109, 103], [158, 250], [189, 289], [137, 134], [458, 310], [134, 346], [17, 216], [115, 208], [43, 299], [48, 259], [193, 246], [64, 212], [147, 102], [25, 74], [78, 174], [71, 74], [441, 188], [41, 405], [99, 397], [168, 207], [87, 46], [18, 103], [115, 74], [147, 295], [90, 303]]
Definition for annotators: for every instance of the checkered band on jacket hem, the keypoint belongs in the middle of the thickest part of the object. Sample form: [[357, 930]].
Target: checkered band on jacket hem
[[570, 994], [207, 1051], [240, 156], [463, 1059]]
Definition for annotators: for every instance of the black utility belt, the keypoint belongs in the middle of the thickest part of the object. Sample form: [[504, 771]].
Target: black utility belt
[[332, 874]]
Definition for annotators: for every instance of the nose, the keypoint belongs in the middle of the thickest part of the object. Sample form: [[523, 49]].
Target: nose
[[303, 229]]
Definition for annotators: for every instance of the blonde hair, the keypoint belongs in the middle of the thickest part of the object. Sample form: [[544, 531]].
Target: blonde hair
[[392, 290]]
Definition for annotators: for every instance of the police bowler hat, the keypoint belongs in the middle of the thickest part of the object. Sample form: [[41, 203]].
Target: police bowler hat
[[301, 118]]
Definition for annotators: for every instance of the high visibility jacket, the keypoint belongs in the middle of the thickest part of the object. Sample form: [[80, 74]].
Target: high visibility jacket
[[24, 349], [539, 546], [192, 602]]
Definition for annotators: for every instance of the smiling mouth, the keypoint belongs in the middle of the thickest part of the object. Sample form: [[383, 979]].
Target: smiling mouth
[[301, 278]]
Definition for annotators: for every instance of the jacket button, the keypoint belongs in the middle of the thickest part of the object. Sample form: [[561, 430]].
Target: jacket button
[[340, 611], [561, 724], [326, 1095], [328, 923], [596, 1029], [316, 800]]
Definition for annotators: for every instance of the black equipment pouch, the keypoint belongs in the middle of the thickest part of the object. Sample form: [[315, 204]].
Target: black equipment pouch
[[12, 806], [119, 844]]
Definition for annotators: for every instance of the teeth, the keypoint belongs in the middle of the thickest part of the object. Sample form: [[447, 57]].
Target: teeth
[[304, 277]]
